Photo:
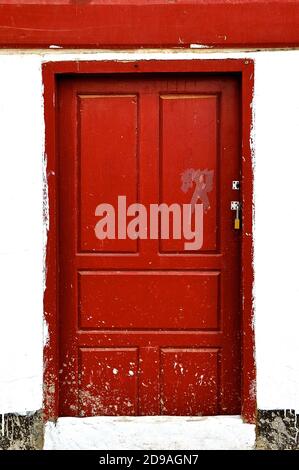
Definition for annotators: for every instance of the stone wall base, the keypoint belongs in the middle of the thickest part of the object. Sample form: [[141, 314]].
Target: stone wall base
[[22, 432], [277, 430]]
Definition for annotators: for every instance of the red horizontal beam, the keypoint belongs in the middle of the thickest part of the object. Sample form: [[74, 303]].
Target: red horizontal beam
[[221, 23]]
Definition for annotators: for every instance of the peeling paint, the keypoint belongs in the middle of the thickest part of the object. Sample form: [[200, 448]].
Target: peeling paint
[[200, 46], [45, 216], [46, 334]]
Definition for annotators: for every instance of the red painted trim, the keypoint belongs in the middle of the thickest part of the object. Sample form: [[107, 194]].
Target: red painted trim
[[50, 72], [248, 345], [50, 297], [158, 23]]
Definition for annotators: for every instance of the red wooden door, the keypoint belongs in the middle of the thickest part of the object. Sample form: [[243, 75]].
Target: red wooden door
[[147, 327]]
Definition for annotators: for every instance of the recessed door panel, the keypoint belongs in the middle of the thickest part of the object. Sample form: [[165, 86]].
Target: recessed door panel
[[189, 140], [148, 300], [107, 164]]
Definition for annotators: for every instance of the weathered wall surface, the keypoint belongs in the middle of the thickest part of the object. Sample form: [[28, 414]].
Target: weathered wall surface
[[22, 235]]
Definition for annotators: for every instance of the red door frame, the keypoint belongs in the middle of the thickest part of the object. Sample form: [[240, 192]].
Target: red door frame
[[51, 71]]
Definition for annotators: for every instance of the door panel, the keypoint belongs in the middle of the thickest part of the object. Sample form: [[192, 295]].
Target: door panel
[[107, 135], [189, 381], [135, 300], [188, 140], [147, 327], [108, 381]]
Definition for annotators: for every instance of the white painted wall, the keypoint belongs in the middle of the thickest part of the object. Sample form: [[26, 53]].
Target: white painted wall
[[276, 146], [21, 233]]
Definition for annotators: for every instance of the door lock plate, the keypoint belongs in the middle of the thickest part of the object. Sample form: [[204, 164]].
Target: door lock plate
[[234, 205]]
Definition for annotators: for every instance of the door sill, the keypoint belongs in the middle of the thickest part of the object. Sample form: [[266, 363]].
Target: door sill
[[150, 433]]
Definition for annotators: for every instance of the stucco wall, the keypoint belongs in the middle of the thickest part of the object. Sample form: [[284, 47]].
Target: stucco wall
[[23, 232]]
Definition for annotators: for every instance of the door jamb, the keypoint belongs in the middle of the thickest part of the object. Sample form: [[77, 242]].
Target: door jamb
[[50, 72]]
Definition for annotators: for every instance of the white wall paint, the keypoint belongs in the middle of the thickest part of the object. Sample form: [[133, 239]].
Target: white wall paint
[[21, 233], [277, 229], [276, 107]]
